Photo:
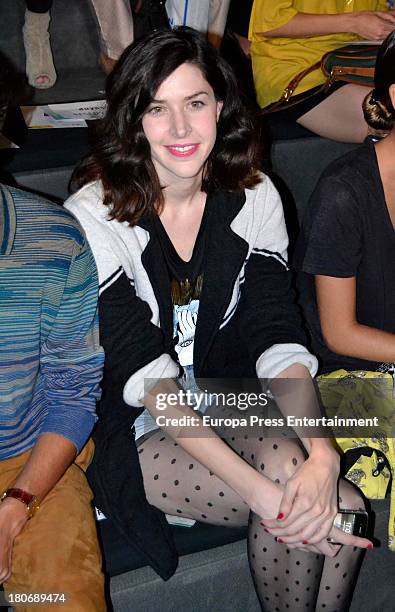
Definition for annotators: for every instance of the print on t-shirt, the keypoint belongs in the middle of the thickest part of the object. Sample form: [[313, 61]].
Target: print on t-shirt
[[184, 322]]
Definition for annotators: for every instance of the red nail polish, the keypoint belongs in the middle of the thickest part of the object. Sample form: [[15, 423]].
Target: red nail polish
[[267, 531], [280, 541], [305, 542], [280, 516], [370, 546]]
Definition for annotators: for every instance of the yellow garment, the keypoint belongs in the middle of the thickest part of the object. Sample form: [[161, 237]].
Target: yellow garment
[[276, 61], [344, 396]]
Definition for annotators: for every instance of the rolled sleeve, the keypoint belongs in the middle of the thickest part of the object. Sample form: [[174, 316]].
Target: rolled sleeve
[[71, 356], [279, 357], [142, 381]]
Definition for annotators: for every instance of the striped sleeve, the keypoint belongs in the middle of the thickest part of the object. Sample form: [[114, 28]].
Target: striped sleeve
[[71, 356]]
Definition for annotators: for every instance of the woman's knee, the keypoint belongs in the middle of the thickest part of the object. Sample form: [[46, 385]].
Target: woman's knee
[[339, 117], [279, 458]]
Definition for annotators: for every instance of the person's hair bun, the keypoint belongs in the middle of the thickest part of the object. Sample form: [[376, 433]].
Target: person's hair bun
[[376, 113]]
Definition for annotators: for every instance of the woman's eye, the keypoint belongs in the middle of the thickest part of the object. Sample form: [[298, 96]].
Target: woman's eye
[[197, 104], [155, 110]]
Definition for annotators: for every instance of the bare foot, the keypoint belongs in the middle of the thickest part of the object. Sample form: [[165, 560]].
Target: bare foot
[[42, 81]]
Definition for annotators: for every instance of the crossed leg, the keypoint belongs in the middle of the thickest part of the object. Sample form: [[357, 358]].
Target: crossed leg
[[284, 579]]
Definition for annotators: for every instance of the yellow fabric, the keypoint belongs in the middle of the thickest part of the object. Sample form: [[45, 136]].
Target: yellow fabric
[[276, 61], [343, 398]]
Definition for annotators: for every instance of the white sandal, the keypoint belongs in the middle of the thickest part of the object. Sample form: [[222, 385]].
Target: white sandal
[[39, 60]]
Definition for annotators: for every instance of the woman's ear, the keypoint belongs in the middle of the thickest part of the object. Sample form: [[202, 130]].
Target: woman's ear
[[391, 92], [219, 109]]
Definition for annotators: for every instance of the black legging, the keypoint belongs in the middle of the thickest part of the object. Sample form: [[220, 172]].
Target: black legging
[[39, 6]]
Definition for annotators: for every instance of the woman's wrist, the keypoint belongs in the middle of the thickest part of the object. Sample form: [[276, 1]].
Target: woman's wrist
[[343, 23], [323, 448], [263, 496], [350, 22]]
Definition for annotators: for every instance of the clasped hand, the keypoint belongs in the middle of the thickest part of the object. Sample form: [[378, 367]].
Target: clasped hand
[[308, 508], [13, 518]]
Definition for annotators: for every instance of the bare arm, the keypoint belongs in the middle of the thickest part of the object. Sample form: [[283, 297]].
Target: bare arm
[[342, 333], [50, 458], [297, 397], [371, 25]]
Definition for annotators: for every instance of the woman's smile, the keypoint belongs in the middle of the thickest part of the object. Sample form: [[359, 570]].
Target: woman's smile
[[185, 150]]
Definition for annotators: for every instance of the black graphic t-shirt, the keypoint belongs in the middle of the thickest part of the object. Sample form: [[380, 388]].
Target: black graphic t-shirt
[[186, 280]]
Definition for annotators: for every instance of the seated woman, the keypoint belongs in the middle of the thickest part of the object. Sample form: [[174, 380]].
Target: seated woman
[[289, 36], [190, 244], [347, 246]]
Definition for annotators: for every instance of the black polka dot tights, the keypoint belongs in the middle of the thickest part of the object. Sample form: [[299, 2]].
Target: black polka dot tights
[[284, 579]]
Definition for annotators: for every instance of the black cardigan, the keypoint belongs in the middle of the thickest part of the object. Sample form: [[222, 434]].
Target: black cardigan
[[247, 306]]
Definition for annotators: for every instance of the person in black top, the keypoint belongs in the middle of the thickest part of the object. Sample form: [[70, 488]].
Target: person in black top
[[190, 244], [346, 258]]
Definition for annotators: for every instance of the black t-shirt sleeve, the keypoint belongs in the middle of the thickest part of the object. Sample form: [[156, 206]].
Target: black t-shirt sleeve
[[333, 234]]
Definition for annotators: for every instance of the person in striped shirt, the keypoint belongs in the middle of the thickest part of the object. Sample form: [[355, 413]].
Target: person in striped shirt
[[50, 372]]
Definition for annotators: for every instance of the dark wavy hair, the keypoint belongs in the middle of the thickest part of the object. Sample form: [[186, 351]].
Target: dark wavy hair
[[120, 155], [377, 107]]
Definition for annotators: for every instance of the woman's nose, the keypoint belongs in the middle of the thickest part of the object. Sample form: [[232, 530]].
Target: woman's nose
[[180, 125]]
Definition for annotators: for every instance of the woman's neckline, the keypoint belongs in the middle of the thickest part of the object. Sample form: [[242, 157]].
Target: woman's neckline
[[171, 246]]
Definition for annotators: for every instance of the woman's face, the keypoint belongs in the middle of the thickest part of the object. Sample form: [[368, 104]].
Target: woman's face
[[180, 125]]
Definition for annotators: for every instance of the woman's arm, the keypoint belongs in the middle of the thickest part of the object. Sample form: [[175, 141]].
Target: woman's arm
[[309, 503], [371, 25], [343, 334], [261, 494]]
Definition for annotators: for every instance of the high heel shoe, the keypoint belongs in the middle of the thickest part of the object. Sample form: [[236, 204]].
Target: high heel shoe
[[40, 69]]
